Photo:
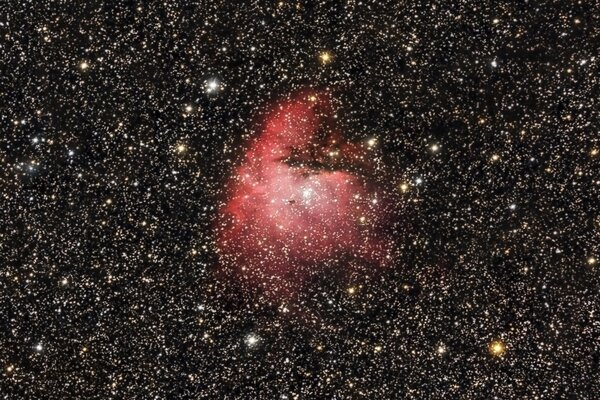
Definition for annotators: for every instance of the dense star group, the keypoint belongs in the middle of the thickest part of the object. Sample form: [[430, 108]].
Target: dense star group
[[436, 236]]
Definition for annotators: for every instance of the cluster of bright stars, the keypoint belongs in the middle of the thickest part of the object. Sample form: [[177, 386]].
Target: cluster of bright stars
[[496, 348]]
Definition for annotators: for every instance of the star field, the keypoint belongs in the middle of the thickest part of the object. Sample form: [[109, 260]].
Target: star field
[[469, 132]]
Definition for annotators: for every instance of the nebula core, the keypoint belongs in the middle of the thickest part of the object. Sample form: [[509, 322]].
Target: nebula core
[[302, 200]]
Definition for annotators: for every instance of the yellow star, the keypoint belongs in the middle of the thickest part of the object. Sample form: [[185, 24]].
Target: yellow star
[[497, 348], [325, 57]]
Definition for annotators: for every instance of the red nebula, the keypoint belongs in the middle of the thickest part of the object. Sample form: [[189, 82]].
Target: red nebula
[[301, 201]]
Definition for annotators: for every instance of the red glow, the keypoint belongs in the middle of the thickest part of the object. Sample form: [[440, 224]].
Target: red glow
[[298, 203]]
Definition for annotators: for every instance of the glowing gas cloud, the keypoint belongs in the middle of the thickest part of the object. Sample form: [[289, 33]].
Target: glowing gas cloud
[[303, 199]]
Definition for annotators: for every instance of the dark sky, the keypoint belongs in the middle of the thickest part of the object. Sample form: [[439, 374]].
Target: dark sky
[[121, 124]]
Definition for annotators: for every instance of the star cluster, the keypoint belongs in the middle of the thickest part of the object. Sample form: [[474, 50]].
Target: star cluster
[[123, 122]]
